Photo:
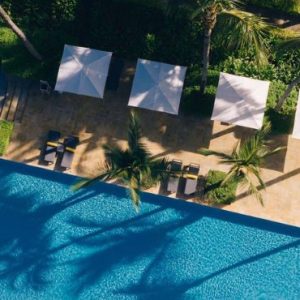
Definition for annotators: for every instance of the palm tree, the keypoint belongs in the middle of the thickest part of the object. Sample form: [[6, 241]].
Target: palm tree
[[246, 160], [240, 30], [21, 35], [293, 43], [135, 166]]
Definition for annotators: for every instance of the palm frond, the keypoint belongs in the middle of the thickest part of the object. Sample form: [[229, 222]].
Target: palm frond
[[134, 131], [135, 145], [236, 149], [82, 183], [158, 168], [246, 31], [272, 152], [264, 132], [231, 175], [207, 152], [134, 187], [114, 155], [132, 166], [246, 161], [253, 190]]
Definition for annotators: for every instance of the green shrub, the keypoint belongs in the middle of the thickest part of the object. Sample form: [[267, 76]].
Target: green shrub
[[281, 121], [277, 88], [6, 129], [217, 194], [284, 66], [192, 102], [290, 6]]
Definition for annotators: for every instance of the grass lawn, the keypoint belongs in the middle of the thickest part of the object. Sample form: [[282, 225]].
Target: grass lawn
[[16, 59], [6, 129]]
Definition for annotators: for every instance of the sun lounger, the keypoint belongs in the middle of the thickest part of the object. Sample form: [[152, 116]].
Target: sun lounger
[[173, 181], [70, 144], [191, 179], [51, 146]]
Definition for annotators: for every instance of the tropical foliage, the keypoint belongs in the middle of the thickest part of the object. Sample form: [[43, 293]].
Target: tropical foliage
[[291, 6], [9, 22], [246, 160], [132, 28], [135, 167], [241, 30], [293, 43], [217, 193]]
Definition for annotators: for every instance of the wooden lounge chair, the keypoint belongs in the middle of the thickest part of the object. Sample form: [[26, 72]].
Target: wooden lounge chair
[[173, 181], [51, 146], [191, 179], [70, 144]]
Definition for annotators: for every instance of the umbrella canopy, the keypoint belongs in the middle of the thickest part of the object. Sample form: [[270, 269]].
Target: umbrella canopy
[[296, 130], [157, 86], [83, 71], [240, 101]]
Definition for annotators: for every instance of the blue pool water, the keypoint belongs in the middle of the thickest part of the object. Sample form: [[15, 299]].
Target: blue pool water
[[56, 244]]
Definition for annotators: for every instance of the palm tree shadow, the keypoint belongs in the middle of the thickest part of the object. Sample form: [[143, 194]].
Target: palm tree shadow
[[177, 291], [26, 237], [121, 249], [24, 241]]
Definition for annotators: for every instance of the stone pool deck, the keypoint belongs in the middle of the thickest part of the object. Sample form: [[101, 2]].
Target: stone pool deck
[[98, 121]]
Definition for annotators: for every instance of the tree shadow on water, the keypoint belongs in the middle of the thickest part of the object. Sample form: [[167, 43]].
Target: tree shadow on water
[[24, 242], [127, 246], [26, 253], [146, 289]]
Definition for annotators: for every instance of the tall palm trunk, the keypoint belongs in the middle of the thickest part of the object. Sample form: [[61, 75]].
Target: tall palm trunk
[[19, 33], [210, 19], [287, 92]]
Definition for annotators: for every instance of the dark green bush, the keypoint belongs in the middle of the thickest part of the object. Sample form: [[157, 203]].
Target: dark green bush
[[290, 6], [133, 29], [281, 121], [219, 194], [192, 101], [48, 14], [277, 88], [284, 66]]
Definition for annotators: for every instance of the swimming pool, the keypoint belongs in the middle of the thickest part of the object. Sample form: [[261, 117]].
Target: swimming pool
[[55, 244]]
